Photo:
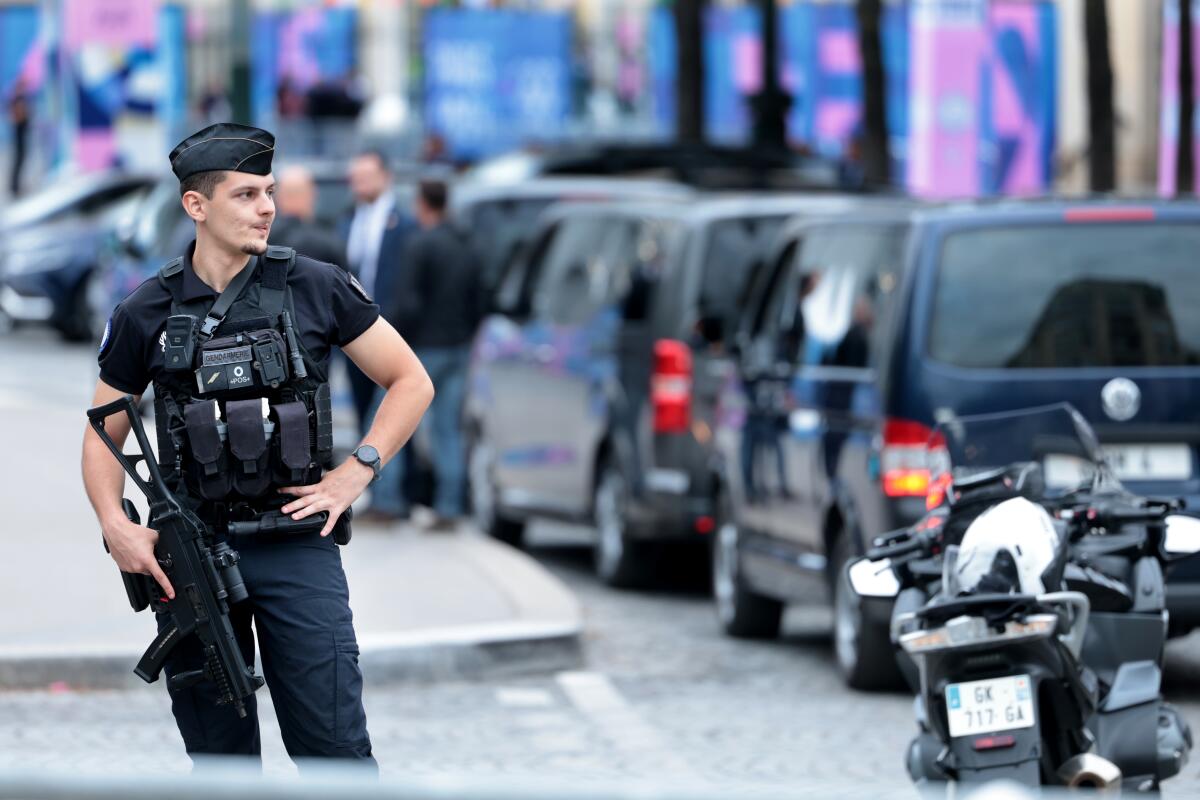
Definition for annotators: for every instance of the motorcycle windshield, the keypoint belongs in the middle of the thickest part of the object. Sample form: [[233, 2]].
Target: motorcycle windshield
[[1056, 438]]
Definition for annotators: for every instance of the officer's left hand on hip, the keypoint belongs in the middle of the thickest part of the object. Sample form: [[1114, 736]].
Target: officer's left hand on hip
[[335, 492]]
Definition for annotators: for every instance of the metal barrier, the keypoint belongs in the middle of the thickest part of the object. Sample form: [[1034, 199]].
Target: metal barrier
[[227, 779]]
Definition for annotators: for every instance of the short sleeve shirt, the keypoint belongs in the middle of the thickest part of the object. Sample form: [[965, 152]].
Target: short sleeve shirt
[[331, 310]]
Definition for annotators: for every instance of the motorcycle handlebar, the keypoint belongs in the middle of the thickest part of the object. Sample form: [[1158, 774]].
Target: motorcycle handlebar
[[1115, 517], [913, 545]]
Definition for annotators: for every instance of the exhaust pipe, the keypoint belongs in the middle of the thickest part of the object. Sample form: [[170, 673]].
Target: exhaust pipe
[[1090, 771]]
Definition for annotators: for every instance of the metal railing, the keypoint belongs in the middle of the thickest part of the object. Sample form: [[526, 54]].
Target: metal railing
[[228, 779]]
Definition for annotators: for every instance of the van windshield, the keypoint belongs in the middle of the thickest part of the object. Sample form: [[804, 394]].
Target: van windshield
[[1068, 295]]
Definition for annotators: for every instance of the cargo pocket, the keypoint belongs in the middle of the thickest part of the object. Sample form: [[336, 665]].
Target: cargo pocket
[[206, 470], [248, 446], [349, 717]]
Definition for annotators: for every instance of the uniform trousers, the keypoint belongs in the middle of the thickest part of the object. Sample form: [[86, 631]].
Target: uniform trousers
[[299, 607]]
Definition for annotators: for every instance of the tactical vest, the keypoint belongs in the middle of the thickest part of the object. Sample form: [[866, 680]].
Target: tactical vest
[[240, 408]]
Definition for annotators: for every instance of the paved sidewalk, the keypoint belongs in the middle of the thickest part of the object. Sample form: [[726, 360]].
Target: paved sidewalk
[[426, 605]]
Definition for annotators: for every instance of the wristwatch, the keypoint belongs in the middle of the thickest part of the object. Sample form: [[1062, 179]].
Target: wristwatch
[[366, 454]]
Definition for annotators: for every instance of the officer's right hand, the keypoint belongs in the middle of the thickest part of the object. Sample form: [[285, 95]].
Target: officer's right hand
[[132, 547]]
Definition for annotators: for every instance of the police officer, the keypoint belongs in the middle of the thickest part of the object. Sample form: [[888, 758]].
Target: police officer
[[236, 339]]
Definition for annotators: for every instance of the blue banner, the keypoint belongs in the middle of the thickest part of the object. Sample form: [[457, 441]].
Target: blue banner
[[732, 71], [496, 79], [298, 50], [18, 43]]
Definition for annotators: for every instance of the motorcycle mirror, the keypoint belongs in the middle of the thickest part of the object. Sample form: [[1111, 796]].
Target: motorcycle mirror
[[872, 578], [1183, 535]]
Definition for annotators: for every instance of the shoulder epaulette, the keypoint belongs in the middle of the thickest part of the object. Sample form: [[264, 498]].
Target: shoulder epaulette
[[172, 267]]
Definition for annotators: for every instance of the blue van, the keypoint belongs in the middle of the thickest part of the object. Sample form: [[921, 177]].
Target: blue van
[[862, 332]]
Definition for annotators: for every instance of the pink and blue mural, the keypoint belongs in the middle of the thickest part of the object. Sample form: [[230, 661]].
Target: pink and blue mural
[[983, 97], [970, 86], [496, 79], [1168, 145], [1020, 85], [304, 47], [22, 57], [117, 71]]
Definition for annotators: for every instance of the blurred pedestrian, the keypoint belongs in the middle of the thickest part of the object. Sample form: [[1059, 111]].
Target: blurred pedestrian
[[296, 224], [214, 104], [439, 302], [434, 150], [376, 233], [18, 118], [289, 101]]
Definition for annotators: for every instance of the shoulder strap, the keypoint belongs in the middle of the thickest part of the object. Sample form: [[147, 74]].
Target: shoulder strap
[[276, 263], [216, 314], [170, 270]]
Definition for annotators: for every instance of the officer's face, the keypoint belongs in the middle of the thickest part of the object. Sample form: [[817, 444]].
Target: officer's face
[[241, 211]]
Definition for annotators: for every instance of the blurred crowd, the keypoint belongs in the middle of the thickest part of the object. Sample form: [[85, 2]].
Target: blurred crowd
[[409, 259]]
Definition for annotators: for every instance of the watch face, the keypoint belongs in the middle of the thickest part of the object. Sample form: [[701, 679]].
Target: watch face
[[367, 454]]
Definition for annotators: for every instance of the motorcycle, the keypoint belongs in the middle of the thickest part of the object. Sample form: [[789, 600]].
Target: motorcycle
[[1028, 610]]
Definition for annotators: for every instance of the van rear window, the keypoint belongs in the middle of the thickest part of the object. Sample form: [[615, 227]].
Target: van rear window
[[1062, 295]]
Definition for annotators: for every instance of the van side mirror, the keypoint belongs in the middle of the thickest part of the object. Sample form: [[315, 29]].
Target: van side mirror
[[126, 236]]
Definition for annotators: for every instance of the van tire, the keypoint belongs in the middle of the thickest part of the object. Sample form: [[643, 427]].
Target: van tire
[[79, 324], [742, 612], [485, 508], [862, 648], [619, 560]]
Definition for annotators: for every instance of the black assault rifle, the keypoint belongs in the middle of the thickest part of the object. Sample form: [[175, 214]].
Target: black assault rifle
[[205, 577]]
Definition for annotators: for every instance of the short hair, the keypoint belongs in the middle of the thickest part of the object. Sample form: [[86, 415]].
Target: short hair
[[203, 182], [433, 194], [379, 156]]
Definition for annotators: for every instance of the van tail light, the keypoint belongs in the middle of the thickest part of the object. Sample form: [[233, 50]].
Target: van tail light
[[994, 742], [671, 386], [1109, 214], [905, 458]]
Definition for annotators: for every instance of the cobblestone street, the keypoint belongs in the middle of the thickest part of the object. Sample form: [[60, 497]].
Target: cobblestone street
[[661, 695]]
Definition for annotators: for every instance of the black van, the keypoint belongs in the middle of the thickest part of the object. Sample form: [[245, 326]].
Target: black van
[[863, 332], [591, 391]]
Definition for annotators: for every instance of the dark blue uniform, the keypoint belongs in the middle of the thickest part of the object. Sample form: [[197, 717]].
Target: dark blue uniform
[[298, 599]]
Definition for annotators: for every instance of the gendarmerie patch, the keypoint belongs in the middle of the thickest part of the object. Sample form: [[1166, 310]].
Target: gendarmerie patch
[[358, 287]]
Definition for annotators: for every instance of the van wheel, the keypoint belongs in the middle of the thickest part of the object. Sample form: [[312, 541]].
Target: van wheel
[[619, 561], [863, 648], [484, 502], [79, 323], [742, 612]]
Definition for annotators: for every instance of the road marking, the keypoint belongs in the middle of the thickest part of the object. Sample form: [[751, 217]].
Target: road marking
[[594, 695], [524, 698]]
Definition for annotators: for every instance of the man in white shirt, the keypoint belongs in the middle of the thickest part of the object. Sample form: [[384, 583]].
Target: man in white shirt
[[376, 234]]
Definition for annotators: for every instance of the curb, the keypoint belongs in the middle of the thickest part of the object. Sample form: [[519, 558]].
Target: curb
[[468, 652]]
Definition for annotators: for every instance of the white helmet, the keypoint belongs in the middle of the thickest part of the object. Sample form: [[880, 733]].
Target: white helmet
[[1007, 549]]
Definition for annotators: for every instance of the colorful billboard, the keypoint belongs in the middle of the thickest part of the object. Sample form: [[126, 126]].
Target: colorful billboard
[[124, 65], [294, 51], [982, 97], [1168, 147], [496, 79]]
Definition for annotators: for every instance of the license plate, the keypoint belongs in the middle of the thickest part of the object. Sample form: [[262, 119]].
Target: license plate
[[1130, 462], [1150, 462], [998, 704]]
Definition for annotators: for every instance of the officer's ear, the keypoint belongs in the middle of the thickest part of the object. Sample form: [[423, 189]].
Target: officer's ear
[[196, 190], [193, 205]]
